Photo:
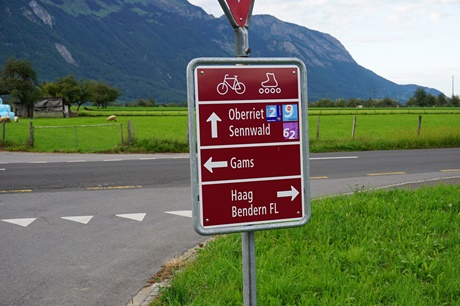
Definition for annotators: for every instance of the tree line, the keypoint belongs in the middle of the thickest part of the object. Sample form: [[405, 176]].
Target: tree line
[[420, 98], [19, 81]]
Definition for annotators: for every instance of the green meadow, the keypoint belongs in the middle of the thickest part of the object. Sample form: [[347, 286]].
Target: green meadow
[[397, 247], [163, 129]]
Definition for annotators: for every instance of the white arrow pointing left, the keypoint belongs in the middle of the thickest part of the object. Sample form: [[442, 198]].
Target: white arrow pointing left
[[22, 222], [290, 193], [79, 219], [136, 217], [210, 165]]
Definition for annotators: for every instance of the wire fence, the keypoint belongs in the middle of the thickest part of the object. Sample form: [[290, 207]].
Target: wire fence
[[95, 137]]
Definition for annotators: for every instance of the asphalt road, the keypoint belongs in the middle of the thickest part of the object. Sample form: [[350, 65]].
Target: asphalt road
[[99, 227]]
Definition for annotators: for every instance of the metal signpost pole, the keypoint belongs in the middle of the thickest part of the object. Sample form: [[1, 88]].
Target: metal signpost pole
[[249, 114], [240, 19]]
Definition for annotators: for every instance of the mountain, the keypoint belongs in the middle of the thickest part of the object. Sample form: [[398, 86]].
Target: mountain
[[143, 47]]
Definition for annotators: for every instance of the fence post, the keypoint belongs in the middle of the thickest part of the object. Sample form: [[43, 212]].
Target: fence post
[[76, 137], [3, 132], [121, 130], [419, 125], [354, 129], [129, 132], [317, 128], [31, 134]]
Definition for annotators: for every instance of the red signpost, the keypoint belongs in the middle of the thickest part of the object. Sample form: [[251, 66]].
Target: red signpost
[[250, 145]]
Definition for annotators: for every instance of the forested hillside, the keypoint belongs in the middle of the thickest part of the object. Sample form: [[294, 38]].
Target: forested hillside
[[143, 47]]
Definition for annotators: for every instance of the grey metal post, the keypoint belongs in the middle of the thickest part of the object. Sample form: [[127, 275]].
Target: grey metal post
[[248, 247], [242, 42], [249, 268], [248, 241]]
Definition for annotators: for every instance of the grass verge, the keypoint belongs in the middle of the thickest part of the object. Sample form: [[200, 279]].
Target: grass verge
[[397, 247], [168, 133]]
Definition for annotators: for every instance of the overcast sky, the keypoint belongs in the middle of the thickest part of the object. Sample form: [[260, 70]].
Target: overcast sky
[[404, 41]]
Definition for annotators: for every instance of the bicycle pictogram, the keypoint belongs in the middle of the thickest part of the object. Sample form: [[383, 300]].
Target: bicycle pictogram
[[232, 83]]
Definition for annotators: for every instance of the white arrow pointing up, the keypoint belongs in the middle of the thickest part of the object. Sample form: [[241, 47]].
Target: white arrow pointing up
[[210, 165], [213, 119], [290, 193]]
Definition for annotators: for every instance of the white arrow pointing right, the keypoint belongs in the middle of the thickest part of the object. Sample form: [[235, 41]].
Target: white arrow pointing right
[[213, 119], [290, 193]]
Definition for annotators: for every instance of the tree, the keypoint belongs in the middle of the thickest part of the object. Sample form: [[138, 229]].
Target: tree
[[441, 100], [387, 102], [421, 98], [102, 94], [19, 80], [455, 101], [71, 90]]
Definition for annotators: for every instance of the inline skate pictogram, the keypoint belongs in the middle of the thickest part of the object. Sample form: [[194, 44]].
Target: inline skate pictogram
[[269, 86]]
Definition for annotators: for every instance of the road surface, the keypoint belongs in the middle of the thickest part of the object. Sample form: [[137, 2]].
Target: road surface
[[80, 229]]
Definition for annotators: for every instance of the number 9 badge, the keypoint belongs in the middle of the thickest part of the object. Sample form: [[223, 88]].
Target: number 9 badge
[[290, 112]]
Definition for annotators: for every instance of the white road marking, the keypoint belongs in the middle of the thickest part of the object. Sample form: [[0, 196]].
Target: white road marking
[[332, 157], [79, 219], [76, 161], [111, 160], [24, 222], [136, 217], [182, 213]]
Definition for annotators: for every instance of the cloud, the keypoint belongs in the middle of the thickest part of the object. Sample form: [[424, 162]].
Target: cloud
[[389, 37]]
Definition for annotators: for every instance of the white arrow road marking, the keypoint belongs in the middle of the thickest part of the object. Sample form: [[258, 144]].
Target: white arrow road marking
[[79, 219], [182, 213], [290, 193], [211, 165], [213, 119], [136, 217], [22, 222]]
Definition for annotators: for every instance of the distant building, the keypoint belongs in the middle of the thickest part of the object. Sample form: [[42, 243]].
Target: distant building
[[47, 108]]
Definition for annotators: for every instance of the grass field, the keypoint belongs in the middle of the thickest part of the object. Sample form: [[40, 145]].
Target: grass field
[[162, 129], [399, 247]]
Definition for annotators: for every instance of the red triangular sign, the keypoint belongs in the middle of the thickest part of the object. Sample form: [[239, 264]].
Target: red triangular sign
[[240, 10]]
